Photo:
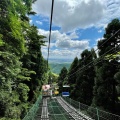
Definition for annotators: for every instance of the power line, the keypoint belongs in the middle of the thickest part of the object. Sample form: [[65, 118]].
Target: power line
[[93, 61], [105, 41], [50, 30], [101, 61], [93, 65], [101, 45], [50, 37]]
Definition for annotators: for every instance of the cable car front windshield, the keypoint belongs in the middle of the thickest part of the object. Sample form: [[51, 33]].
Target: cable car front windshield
[[66, 90]]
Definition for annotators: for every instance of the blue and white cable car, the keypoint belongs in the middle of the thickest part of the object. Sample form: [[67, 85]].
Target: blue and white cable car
[[66, 89]]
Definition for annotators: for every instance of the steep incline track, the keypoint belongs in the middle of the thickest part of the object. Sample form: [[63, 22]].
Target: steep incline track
[[58, 109], [72, 111], [44, 114]]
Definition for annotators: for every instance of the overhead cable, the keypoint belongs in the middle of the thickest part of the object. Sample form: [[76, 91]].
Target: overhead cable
[[101, 45], [102, 56], [50, 30]]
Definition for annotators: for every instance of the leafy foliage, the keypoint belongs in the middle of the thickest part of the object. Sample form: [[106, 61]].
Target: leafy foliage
[[56, 67], [21, 63], [62, 78], [95, 79], [105, 84]]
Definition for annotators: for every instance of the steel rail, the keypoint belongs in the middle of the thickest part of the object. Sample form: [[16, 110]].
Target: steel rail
[[44, 114], [72, 111]]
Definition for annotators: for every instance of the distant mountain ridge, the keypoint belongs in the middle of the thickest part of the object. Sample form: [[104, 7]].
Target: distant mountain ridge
[[53, 60], [57, 66]]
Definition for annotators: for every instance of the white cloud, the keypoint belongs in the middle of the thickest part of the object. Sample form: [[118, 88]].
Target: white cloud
[[46, 45], [73, 14], [95, 45], [62, 40], [72, 44], [62, 54], [98, 39], [70, 15], [64, 46], [73, 35], [39, 22], [99, 31], [31, 21], [96, 50]]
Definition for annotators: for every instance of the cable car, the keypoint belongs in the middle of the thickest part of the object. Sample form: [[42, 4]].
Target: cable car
[[46, 91], [66, 89]]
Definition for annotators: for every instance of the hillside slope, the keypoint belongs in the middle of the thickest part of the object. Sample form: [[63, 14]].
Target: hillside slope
[[56, 67]]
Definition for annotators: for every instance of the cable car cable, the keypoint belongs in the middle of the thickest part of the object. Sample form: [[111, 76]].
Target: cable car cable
[[93, 61], [101, 45], [50, 31], [96, 63]]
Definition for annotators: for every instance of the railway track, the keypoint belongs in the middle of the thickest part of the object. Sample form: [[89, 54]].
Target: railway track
[[70, 111], [74, 114], [44, 114]]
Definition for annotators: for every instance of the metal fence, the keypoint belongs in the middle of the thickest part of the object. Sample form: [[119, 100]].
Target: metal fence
[[92, 112], [56, 112], [32, 112]]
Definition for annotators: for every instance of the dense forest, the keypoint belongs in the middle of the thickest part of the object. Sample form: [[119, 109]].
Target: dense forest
[[94, 79], [22, 67]]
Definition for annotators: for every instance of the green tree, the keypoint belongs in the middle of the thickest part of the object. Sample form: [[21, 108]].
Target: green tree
[[62, 78], [34, 61], [117, 78], [53, 78], [14, 38], [85, 78], [72, 75], [105, 84], [11, 50]]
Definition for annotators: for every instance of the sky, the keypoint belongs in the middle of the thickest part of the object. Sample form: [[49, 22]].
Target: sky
[[77, 25]]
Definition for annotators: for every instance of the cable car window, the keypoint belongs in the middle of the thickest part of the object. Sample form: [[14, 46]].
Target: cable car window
[[66, 89]]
